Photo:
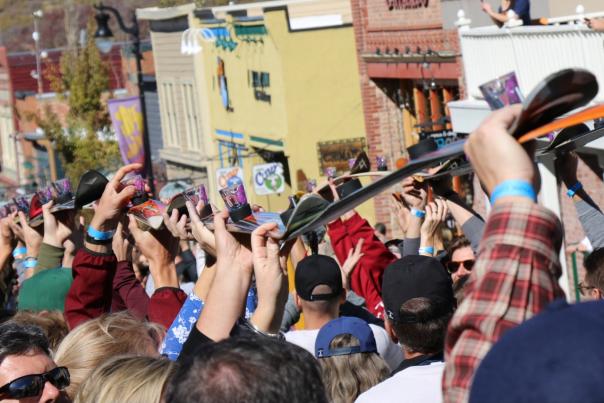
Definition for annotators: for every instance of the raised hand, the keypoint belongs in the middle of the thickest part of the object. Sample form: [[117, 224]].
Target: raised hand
[[114, 199], [436, 213], [8, 240], [176, 225], [496, 156], [57, 228], [414, 193], [31, 236], [402, 214], [566, 167], [160, 248], [202, 235], [271, 279], [121, 246], [354, 255]]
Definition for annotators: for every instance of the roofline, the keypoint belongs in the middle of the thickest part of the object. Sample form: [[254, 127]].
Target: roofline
[[262, 4], [166, 13]]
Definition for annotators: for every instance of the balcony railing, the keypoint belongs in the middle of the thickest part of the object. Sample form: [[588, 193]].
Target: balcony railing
[[533, 52]]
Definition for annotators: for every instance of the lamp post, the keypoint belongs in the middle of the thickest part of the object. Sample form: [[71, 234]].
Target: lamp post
[[104, 38], [36, 37]]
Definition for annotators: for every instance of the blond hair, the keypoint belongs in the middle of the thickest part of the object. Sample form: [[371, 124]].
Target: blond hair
[[129, 379], [93, 342], [347, 376]]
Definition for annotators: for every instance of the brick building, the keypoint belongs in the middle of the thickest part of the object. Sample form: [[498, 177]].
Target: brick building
[[410, 68]]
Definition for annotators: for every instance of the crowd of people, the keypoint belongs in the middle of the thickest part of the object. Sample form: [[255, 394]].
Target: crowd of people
[[103, 311]]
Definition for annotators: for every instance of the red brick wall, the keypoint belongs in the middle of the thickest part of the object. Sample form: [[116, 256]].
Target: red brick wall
[[376, 26]]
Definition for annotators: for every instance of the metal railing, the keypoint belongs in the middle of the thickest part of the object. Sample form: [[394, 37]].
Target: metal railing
[[533, 52]]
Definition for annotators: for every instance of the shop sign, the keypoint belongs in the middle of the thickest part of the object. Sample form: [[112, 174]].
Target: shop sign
[[268, 178], [336, 154], [406, 4]]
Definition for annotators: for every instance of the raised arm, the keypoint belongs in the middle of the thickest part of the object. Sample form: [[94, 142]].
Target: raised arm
[[94, 265], [517, 270], [590, 215]]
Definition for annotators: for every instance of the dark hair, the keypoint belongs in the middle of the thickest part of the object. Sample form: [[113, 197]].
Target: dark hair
[[457, 243], [18, 339], [427, 335], [248, 369], [594, 269], [380, 227], [52, 323]]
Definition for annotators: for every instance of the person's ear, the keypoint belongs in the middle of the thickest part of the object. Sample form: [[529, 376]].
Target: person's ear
[[298, 302], [596, 293], [388, 325]]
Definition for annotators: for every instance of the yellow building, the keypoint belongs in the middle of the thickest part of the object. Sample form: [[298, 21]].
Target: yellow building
[[277, 81]]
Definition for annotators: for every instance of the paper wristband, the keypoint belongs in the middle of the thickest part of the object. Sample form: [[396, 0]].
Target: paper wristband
[[418, 213], [513, 187], [99, 235], [574, 189], [428, 250], [19, 251]]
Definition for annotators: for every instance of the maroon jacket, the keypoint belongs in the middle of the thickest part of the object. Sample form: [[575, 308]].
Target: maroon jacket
[[91, 293], [366, 278]]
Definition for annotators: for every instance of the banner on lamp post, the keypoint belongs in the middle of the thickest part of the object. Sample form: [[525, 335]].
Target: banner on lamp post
[[127, 120]]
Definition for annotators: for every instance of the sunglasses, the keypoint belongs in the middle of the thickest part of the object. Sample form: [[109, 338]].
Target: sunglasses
[[32, 385], [454, 266]]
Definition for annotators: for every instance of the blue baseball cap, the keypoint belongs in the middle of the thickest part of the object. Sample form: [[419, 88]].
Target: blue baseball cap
[[345, 325]]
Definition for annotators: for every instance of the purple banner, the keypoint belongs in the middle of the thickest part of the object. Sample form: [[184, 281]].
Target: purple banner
[[128, 125]]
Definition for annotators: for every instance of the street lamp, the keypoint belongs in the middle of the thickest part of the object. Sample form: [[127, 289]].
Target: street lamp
[[38, 14], [104, 40]]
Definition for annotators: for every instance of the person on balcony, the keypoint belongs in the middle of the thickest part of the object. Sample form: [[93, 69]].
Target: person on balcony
[[522, 9], [596, 25]]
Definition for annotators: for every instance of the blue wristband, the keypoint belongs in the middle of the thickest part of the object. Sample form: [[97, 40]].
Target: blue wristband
[[574, 189], [418, 213], [428, 250], [30, 262], [19, 251], [513, 187], [100, 235]]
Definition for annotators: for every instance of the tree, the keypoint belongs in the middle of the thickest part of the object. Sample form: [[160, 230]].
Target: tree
[[82, 81]]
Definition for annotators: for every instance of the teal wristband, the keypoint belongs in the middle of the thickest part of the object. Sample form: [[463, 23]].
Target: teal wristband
[[574, 189], [99, 235], [513, 187], [428, 250]]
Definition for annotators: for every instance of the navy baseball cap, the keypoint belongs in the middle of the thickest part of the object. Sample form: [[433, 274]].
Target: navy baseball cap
[[317, 270], [345, 325], [417, 276]]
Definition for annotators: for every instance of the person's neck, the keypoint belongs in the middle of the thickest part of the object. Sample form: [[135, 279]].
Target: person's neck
[[313, 321], [412, 354]]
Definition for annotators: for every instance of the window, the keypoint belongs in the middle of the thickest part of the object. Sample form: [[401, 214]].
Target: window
[[261, 82], [192, 123], [168, 111]]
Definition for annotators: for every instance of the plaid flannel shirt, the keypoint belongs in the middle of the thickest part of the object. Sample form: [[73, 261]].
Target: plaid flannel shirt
[[514, 278]]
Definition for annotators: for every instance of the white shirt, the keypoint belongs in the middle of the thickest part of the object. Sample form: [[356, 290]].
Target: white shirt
[[419, 384], [392, 353]]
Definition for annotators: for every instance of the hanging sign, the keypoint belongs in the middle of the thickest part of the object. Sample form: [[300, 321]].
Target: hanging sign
[[406, 4], [268, 178]]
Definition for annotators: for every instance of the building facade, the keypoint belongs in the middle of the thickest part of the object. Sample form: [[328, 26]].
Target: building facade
[[276, 82], [410, 69]]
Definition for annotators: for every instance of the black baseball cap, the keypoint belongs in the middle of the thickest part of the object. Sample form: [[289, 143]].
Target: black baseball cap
[[317, 270], [416, 276]]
